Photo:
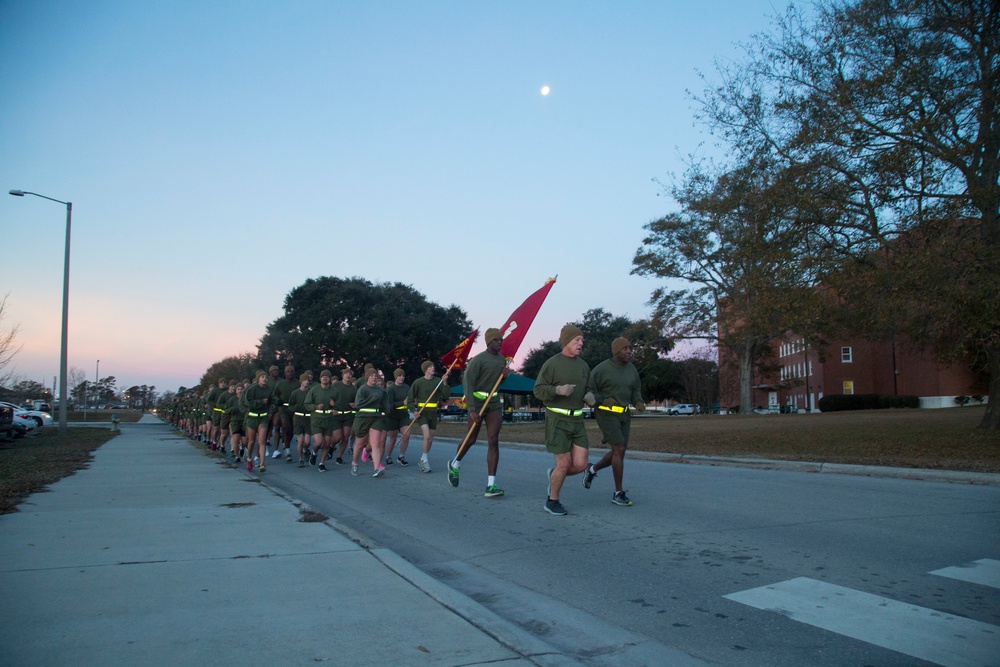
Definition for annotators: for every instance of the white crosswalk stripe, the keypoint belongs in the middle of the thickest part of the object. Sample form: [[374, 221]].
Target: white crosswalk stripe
[[985, 572], [923, 633]]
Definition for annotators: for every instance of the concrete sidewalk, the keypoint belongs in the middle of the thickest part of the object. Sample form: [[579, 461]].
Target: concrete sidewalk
[[157, 555]]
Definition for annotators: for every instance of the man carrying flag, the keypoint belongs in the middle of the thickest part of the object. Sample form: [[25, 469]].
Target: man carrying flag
[[425, 395], [483, 403], [482, 379]]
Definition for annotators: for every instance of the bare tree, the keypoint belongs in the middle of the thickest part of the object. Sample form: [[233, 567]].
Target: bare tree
[[8, 344]]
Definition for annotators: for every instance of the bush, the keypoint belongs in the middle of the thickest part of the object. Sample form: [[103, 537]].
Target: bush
[[840, 402]]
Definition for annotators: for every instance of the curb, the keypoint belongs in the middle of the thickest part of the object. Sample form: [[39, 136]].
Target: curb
[[922, 474]]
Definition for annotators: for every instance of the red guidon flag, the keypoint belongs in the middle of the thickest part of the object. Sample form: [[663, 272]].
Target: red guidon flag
[[460, 355], [516, 326]]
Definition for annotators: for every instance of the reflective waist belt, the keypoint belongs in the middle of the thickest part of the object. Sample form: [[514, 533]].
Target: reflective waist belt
[[613, 408], [402, 407], [567, 412], [427, 405], [481, 395], [301, 414], [367, 409], [321, 412], [218, 409], [256, 414]]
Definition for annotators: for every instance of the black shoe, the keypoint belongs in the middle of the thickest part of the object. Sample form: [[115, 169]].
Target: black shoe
[[588, 476], [402, 461], [339, 461], [321, 467], [555, 507], [312, 459], [388, 460], [621, 499]]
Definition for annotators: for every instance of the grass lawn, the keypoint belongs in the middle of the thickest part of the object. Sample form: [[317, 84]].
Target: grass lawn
[[944, 439], [29, 464]]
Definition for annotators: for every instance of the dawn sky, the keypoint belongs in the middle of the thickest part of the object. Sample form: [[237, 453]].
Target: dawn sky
[[219, 153]]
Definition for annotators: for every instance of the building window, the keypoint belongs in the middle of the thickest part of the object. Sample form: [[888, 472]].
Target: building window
[[848, 387], [846, 355]]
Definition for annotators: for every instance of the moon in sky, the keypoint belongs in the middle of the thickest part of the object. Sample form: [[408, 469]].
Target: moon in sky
[[545, 90]]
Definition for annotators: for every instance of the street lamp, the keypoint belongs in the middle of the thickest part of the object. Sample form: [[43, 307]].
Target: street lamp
[[63, 394]]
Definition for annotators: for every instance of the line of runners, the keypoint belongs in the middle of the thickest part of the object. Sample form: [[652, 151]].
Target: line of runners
[[368, 418]]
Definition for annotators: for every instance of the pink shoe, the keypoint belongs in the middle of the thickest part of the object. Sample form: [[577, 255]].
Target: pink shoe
[[364, 456], [249, 464]]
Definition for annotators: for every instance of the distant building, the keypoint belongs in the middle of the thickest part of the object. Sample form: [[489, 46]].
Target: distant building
[[805, 374]]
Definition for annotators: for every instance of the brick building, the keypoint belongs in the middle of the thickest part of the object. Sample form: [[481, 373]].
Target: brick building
[[806, 374]]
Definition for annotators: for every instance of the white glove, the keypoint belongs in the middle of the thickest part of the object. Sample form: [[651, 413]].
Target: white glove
[[565, 389], [589, 398]]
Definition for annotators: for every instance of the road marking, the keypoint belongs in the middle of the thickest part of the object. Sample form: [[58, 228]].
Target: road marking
[[915, 631], [985, 572]]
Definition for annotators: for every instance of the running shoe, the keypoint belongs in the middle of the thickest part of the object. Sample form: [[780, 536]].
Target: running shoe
[[288, 458], [364, 456], [312, 459], [302, 463], [267, 452], [452, 475], [261, 468], [277, 454], [388, 460], [249, 464], [321, 467], [402, 461], [555, 507], [379, 472], [621, 499], [493, 491], [588, 476], [424, 466], [354, 470], [339, 461]]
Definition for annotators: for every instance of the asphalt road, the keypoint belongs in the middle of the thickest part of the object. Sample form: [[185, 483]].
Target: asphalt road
[[732, 566]]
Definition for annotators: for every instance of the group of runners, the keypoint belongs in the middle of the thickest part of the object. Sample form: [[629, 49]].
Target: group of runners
[[254, 421]]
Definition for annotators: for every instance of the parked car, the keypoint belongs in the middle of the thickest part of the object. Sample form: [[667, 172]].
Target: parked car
[[684, 409], [37, 417], [6, 423]]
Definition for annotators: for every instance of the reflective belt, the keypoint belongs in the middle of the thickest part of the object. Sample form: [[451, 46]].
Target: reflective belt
[[402, 407], [481, 395], [256, 414], [218, 409], [568, 413], [321, 412], [368, 410], [613, 408], [301, 414], [427, 405]]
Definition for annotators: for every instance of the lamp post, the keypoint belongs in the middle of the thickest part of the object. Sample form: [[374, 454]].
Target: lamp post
[[63, 394]]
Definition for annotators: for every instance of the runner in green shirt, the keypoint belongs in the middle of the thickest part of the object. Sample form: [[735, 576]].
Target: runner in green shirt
[[426, 394], [481, 375], [615, 385]]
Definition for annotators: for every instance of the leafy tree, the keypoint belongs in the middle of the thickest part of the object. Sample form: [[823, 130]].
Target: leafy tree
[[537, 356], [887, 111], [331, 322], [662, 381], [239, 367], [700, 377], [22, 390], [737, 242]]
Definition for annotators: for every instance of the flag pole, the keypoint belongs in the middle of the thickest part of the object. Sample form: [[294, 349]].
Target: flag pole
[[464, 447]]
